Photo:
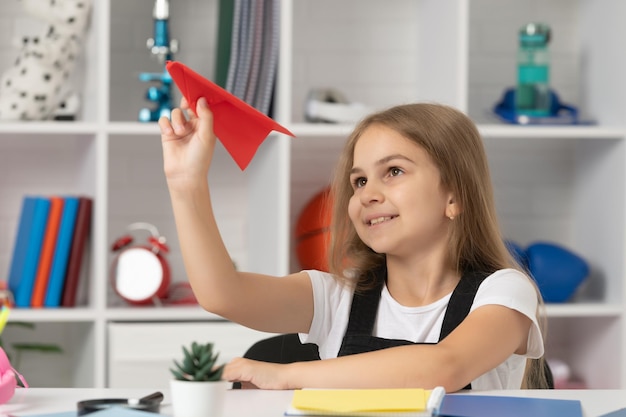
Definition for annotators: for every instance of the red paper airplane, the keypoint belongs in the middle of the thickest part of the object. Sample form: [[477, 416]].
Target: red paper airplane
[[240, 127]]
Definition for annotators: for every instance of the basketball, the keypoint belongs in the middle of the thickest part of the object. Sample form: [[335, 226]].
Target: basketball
[[312, 232]]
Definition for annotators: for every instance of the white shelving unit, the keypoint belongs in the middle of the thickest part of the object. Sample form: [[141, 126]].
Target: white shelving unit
[[564, 184]]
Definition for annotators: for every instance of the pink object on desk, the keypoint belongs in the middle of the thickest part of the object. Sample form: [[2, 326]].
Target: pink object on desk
[[240, 127], [8, 381]]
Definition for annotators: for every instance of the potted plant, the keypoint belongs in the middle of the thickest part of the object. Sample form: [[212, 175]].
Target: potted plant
[[197, 389]]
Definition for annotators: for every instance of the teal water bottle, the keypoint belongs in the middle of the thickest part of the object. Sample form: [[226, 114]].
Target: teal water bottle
[[532, 96]]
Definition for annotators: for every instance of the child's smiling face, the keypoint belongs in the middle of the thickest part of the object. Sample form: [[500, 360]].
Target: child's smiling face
[[399, 206]]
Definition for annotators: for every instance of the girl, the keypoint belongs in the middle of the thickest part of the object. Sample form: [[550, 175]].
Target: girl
[[422, 291]]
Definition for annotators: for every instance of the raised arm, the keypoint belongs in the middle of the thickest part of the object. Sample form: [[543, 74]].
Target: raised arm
[[259, 301]]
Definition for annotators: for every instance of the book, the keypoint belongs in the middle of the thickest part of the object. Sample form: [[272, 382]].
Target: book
[[224, 36], [407, 402], [47, 252], [269, 60], [257, 19], [463, 405], [60, 261], [39, 220], [417, 402], [78, 251], [24, 226], [234, 46], [617, 413]]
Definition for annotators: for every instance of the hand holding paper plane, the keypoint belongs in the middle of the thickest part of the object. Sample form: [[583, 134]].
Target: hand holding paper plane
[[240, 127]]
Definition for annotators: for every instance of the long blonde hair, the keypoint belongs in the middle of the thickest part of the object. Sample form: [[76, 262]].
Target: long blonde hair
[[454, 144]]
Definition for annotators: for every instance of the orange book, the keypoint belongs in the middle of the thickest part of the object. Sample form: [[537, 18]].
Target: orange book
[[47, 252]]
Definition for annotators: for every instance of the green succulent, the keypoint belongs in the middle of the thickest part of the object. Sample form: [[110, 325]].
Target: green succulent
[[199, 364]]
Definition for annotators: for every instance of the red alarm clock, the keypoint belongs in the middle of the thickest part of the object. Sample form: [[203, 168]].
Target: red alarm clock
[[140, 274]]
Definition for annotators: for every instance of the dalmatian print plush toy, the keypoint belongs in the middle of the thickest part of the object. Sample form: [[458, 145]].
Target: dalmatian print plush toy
[[37, 85]]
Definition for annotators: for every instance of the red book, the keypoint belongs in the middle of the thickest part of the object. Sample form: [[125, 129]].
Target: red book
[[77, 252], [47, 252]]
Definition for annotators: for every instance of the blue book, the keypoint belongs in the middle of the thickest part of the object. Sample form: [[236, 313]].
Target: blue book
[[21, 242], [617, 413], [56, 279], [26, 278], [462, 405]]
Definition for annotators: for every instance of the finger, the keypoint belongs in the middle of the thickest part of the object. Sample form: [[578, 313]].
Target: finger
[[178, 120], [202, 108], [191, 114], [206, 117], [165, 126], [233, 370], [187, 110]]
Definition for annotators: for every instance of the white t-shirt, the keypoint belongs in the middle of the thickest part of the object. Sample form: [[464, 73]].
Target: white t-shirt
[[506, 287]]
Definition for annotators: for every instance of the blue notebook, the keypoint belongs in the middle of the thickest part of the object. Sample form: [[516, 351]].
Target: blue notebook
[[617, 413], [26, 279], [460, 405], [56, 280], [20, 247]]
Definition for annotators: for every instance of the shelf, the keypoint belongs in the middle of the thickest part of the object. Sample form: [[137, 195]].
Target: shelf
[[66, 315], [320, 129], [584, 310], [551, 132], [486, 130], [190, 313], [133, 128], [160, 314], [118, 314], [49, 128]]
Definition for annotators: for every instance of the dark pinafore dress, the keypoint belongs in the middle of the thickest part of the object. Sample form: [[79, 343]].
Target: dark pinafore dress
[[358, 337]]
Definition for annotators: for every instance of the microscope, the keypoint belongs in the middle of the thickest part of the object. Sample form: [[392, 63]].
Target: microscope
[[164, 49]]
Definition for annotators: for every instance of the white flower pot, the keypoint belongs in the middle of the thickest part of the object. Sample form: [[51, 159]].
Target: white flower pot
[[198, 399]]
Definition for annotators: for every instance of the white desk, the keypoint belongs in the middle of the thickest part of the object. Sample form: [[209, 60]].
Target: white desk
[[260, 403]]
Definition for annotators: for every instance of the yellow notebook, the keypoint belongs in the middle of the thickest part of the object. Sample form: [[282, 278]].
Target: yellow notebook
[[408, 402]]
